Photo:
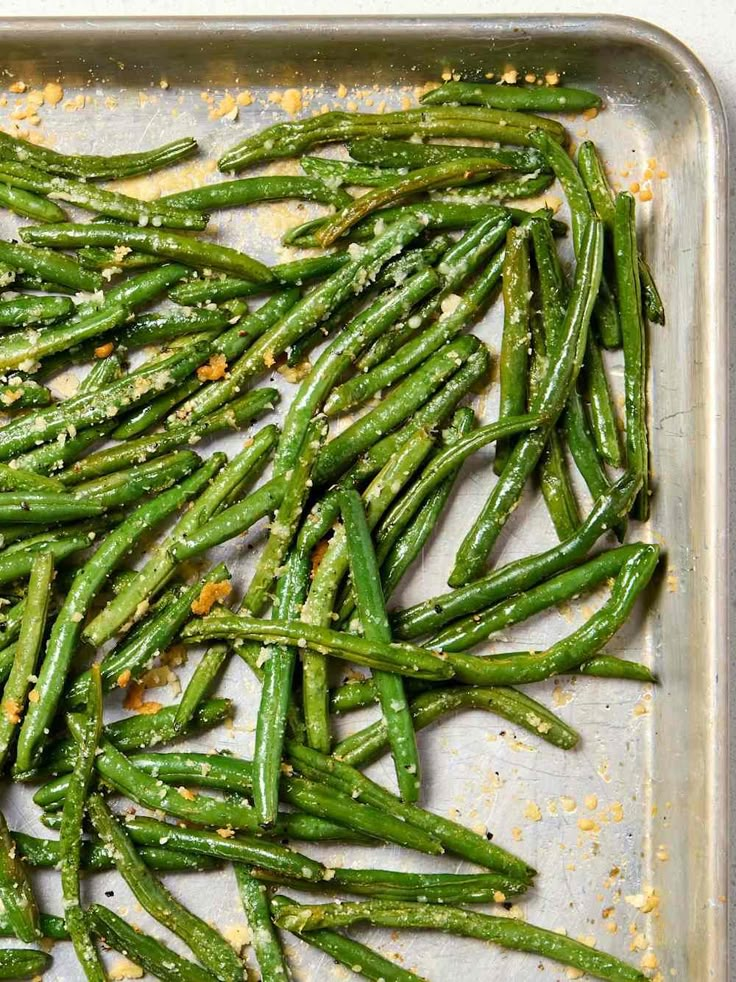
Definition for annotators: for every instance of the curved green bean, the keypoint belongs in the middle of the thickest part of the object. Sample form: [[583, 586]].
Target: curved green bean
[[524, 98], [251, 190], [23, 963], [398, 153]]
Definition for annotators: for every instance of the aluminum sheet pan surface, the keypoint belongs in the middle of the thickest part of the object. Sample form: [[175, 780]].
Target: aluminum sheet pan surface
[[645, 877]]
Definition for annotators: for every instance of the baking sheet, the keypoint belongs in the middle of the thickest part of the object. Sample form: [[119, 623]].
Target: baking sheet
[[650, 774]]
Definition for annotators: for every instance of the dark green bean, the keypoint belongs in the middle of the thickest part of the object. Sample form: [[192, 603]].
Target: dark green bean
[[16, 893], [90, 408], [366, 745], [504, 931], [634, 343], [350, 953], [292, 139], [28, 205], [522, 574], [72, 817], [266, 944], [92, 166], [87, 582], [22, 311], [51, 927], [90, 197], [155, 328], [44, 853], [251, 190], [516, 343], [169, 245], [215, 289], [531, 98], [403, 659], [550, 400], [152, 955], [209, 946], [374, 621], [573, 650], [30, 639], [128, 485], [397, 153], [18, 564], [161, 563], [23, 394], [49, 265], [338, 172], [455, 838], [23, 963]]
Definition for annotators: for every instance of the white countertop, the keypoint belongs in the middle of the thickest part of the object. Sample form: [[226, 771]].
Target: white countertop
[[707, 27]]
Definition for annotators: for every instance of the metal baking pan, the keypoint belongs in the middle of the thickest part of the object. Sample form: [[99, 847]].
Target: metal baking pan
[[655, 761]]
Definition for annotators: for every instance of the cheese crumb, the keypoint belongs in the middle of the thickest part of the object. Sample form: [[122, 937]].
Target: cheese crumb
[[533, 811], [215, 369], [210, 594]]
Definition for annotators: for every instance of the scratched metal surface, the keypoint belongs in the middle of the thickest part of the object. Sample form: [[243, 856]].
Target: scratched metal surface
[[650, 771]]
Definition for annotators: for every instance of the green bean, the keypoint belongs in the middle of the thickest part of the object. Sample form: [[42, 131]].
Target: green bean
[[23, 394], [169, 245], [605, 314], [553, 294], [142, 289], [16, 893], [505, 188], [287, 519], [514, 360], [72, 817], [45, 853], [471, 304], [338, 356], [150, 415], [430, 416], [128, 485], [155, 328], [404, 400], [32, 629], [634, 343], [239, 849], [403, 553], [576, 648], [20, 963], [544, 98], [86, 584], [338, 172], [90, 197], [348, 281], [133, 733], [372, 613], [51, 927], [28, 205], [92, 166], [438, 888], [370, 743], [397, 153], [610, 667], [215, 289], [200, 684], [403, 659], [18, 564], [522, 574], [111, 459], [230, 522], [49, 265], [509, 933], [550, 400], [350, 953], [22, 311], [469, 631], [266, 944], [455, 838], [29, 346], [90, 408], [152, 955], [209, 946], [425, 179], [116, 260], [434, 215], [594, 176], [45, 507], [161, 563], [292, 139], [251, 190], [132, 658], [317, 609]]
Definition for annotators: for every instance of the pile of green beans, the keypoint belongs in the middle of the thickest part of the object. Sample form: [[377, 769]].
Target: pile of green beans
[[108, 517]]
